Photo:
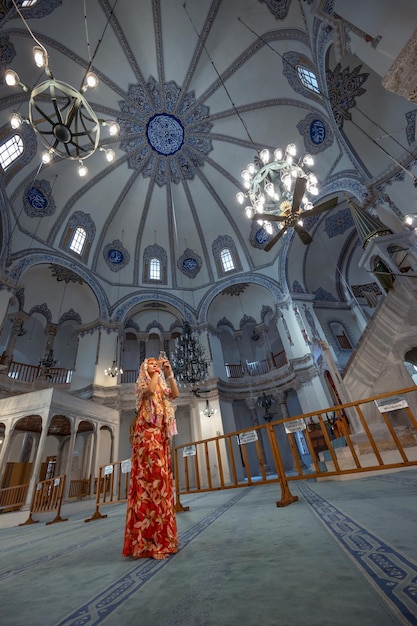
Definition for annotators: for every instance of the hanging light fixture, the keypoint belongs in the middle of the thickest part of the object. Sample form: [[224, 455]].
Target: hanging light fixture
[[47, 363], [269, 183], [113, 371], [188, 361], [60, 114], [265, 402], [208, 411]]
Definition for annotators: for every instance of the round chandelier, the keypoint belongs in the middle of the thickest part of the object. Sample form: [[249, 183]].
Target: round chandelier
[[278, 187]]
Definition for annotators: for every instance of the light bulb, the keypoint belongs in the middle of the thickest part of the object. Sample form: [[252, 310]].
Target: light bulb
[[300, 222], [264, 155], [246, 175], [268, 227], [291, 149], [82, 170], [251, 168], [114, 128], [270, 189], [40, 56], [278, 154], [110, 155], [313, 190], [240, 197], [91, 80], [312, 179], [308, 160], [46, 157], [248, 211], [11, 78], [15, 121]]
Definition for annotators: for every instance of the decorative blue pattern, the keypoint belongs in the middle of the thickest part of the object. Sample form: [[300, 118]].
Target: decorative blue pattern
[[394, 574], [160, 144], [165, 133], [100, 607]]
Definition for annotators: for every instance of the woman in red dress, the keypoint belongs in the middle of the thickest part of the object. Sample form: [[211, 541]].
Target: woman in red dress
[[151, 529]]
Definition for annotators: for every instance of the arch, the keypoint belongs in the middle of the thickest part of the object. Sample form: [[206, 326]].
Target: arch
[[22, 262]]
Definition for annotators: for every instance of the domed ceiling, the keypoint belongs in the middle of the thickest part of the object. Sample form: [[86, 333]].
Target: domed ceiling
[[198, 88]]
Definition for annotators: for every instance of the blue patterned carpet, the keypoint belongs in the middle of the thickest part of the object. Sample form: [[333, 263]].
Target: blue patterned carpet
[[345, 553]]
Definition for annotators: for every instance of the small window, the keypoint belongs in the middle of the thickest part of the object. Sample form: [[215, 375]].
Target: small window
[[227, 260], [308, 78], [155, 269], [10, 150], [78, 240], [28, 3], [344, 342]]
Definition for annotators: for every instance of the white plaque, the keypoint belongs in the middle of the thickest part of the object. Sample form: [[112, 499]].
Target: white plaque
[[126, 466], [108, 470], [248, 437], [294, 426], [189, 451], [391, 404]]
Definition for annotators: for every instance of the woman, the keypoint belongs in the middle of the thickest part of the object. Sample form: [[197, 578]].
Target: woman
[[151, 529]]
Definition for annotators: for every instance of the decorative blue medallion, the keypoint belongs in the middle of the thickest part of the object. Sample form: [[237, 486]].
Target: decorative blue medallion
[[115, 256], [36, 198], [165, 133], [317, 132], [189, 264], [262, 237], [164, 146]]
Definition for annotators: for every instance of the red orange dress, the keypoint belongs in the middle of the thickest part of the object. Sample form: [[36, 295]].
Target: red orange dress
[[151, 527]]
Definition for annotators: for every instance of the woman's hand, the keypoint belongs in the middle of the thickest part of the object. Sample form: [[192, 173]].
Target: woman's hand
[[166, 366]]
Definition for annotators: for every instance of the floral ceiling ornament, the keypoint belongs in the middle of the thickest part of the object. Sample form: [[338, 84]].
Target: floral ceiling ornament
[[165, 134], [64, 274], [235, 290], [343, 88]]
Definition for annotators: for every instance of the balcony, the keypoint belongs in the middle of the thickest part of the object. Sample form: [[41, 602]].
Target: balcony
[[256, 368]]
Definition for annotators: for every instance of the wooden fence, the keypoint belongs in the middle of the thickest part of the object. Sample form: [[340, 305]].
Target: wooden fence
[[385, 438], [47, 497], [112, 486], [13, 498]]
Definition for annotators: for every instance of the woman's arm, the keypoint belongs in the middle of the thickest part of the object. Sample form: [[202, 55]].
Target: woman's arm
[[150, 389], [170, 378]]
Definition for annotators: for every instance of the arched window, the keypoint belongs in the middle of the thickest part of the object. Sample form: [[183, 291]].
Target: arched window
[[155, 269], [299, 71], [227, 260], [78, 240], [10, 150], [308, 78], [155, 265], [226, 256], [79, 235]]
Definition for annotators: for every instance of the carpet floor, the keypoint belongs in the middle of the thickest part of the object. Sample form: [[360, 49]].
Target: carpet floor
[[344, 554]]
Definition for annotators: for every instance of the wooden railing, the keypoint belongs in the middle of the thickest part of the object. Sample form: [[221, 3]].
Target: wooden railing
[[31, 373], [253, 456], [79, 488], [129, 376], [13, 498], [47, 497], [256, 368]]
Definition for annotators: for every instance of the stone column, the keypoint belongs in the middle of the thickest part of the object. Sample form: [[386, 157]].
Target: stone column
[[38, 459], [251, 403]]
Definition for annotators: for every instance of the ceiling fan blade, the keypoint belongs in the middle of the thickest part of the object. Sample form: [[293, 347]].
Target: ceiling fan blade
[[299, 191], [305, 237], [320, 208], [268, 217], [274, 239]]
